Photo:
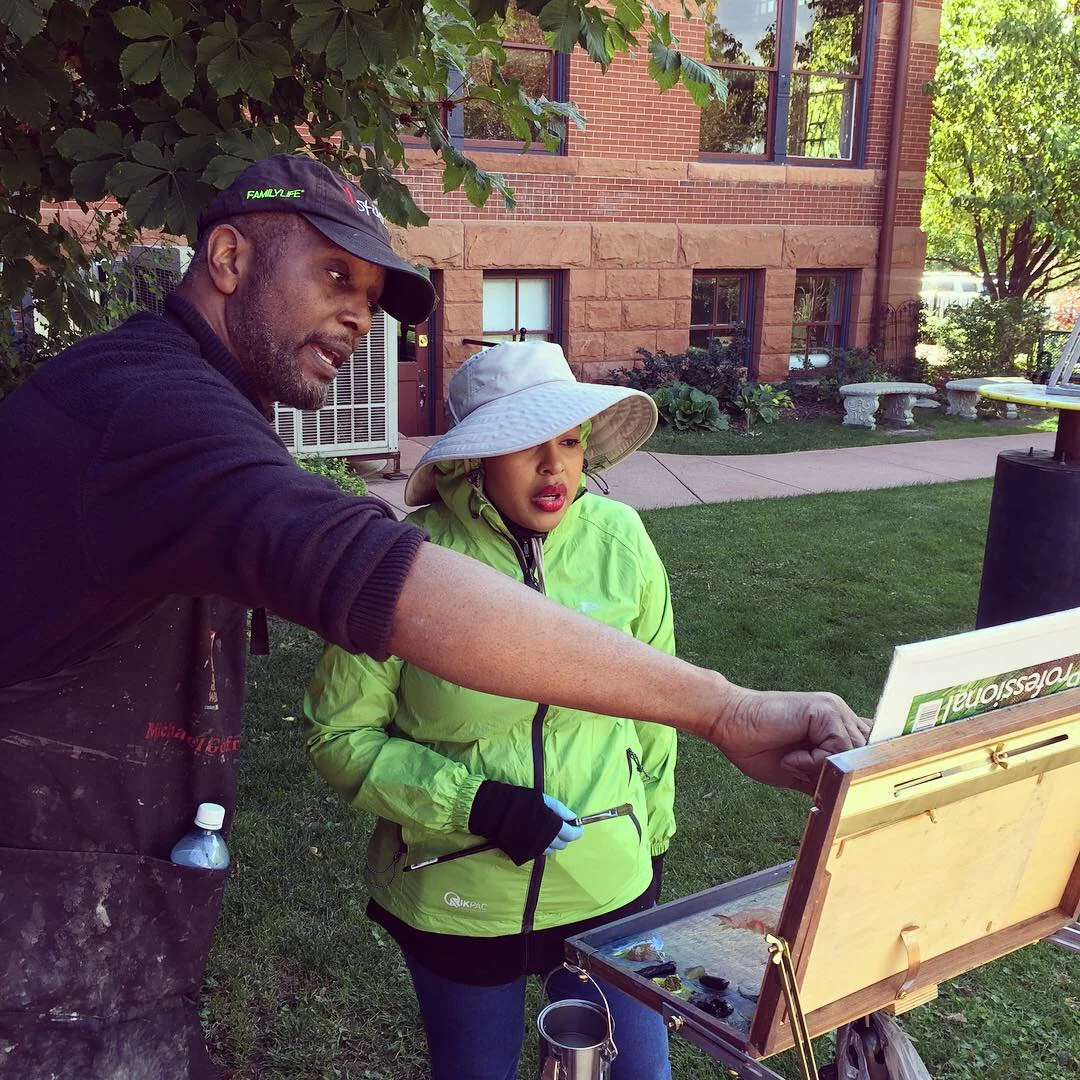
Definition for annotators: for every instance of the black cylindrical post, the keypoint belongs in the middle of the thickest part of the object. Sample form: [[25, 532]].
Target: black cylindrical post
[[1031, 565]]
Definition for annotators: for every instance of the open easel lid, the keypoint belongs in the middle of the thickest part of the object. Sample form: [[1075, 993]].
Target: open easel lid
[[927, 856]]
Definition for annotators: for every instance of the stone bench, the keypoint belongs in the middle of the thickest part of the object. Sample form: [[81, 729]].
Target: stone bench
[[861, 402], [964, 393]]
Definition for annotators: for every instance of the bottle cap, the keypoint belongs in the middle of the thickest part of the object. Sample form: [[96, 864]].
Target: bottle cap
[[210, 815]]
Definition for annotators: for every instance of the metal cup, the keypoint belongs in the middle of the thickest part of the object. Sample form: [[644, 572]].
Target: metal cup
[[577, 1039]]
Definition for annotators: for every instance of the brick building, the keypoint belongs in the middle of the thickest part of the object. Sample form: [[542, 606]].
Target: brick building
[[659, 225]]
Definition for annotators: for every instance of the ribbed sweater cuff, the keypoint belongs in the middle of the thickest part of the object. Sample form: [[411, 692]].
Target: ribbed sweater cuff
[[461, 811], [369, 620]]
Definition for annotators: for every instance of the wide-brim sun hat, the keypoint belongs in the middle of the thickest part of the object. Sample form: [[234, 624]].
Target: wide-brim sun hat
[[515, 396]]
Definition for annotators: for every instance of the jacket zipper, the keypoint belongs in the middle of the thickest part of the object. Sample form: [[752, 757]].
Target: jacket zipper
[[536, 875]]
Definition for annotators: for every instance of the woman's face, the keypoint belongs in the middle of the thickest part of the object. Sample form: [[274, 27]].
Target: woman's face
[[535, 487]]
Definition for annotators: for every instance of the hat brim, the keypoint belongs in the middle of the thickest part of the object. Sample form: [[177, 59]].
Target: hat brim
[[408, 296], [622, 419]]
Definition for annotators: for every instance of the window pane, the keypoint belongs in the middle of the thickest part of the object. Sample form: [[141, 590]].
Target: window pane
[[817, 298], [531, 67], [728, 300], [534, 304], [821, 123], [821, 337], [701, 300], [828, 35], [739, 125], [522, 26], [699, 339], [499, 309], [741, 33]]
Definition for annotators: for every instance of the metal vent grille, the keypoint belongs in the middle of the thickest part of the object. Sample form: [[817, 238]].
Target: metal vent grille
[[360, 414]]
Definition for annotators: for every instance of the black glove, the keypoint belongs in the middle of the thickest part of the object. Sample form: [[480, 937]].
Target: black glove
[[657, 876], [515, 819]]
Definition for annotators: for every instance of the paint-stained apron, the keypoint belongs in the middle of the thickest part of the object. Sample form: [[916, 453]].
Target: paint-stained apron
[[103, 941]]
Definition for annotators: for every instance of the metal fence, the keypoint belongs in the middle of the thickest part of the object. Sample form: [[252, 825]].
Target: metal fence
[[1048, 351], [899, 335]]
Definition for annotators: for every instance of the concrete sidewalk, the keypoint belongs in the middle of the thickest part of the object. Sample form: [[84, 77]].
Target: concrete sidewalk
[[650, 480]]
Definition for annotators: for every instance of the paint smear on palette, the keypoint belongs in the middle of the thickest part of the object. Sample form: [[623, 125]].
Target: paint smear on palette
[[761, 920]]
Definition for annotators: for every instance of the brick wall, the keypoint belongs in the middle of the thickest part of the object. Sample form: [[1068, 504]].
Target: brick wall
[[631, 210]]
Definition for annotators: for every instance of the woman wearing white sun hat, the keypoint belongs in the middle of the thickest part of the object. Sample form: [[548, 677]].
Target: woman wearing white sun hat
[[441, 765]]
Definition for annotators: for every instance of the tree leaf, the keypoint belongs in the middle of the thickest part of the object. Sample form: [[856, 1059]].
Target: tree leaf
[[127, 177], [23, 98], [379, 47], [703, 83], [178, 71], [147, 153], [224, 169], [395, 200], [196, 122], [81, 144], [136, 24], [453, 175], [664, 65], [148, 206], [88, 179], [482, 10], [140, 62], [629, 13], [24, 18], [344, 51], [562, 18], [313, 31]]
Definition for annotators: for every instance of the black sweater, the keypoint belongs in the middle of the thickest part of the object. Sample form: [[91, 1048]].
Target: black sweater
[[147, 502]]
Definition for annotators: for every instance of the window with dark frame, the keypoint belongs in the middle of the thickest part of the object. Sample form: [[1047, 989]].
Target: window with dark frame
[[795, 73], [720, 305], [530, 60], [521, 306], [817, 323], [478, 124]]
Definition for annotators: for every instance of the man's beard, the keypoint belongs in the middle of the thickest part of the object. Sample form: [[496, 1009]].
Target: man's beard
[[271, 362]]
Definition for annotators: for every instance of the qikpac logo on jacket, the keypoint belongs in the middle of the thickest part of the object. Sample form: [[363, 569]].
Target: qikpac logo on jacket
[[451, 899]]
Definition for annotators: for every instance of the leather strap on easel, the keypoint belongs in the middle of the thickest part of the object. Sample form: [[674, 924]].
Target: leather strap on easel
[[780, 955], [908, 935]]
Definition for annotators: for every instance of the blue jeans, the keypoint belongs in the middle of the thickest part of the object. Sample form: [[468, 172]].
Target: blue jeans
[[476, 1032]]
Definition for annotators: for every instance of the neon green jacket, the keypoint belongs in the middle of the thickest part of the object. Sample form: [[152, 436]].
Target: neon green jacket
[[413, 749]]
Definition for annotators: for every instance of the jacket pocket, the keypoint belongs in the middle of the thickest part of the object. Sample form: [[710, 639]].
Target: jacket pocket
[[97, 935]]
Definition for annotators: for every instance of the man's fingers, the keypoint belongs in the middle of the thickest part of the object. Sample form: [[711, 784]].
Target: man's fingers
[[838, 727], [803, 767]]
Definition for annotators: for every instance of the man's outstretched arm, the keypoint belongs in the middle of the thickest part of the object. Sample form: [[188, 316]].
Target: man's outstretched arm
[[471, 625]]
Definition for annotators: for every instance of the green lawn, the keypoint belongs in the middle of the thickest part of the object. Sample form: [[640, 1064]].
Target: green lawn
[[827, 433], [809, 591]]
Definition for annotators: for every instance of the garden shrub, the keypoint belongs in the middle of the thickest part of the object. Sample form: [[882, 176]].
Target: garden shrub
[[686, 408], [987, 336], [851, 366], [718, 370], [336, 469], [761, 402]]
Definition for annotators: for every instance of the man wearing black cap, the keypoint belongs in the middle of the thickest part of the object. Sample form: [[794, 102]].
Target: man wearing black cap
[[150, 506]]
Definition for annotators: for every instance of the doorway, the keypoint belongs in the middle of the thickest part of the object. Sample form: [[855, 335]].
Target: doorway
[[416, 385]]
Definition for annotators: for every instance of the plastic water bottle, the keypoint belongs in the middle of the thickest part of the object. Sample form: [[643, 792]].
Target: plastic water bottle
[[203, 847]]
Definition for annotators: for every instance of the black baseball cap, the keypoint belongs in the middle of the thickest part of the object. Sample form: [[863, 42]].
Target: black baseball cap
[[340, 210]]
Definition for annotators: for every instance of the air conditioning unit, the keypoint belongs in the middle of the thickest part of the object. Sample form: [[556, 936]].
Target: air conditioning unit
[[360, 414], [156, 269], [144, 276]]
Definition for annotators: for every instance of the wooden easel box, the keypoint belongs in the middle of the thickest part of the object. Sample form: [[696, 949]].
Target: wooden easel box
[[922, 858]]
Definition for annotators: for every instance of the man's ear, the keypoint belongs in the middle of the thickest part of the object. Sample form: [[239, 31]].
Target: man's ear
[[228, 253]]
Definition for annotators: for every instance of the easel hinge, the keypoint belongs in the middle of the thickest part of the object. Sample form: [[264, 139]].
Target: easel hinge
[[780, 955]]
